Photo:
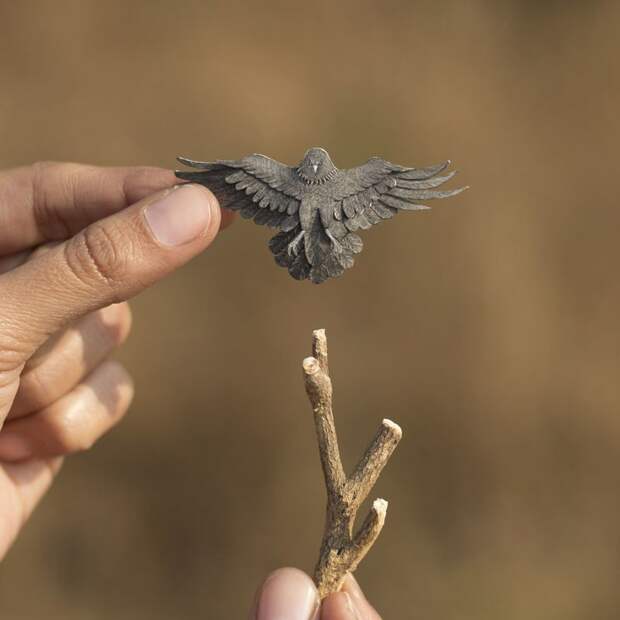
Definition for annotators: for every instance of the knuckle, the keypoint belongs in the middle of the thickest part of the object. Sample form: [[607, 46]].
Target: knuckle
[[97, 257], [124, 408], [68, 437], [81, 443], [76, 425], [122, 390], [116, 320], [120, 377]]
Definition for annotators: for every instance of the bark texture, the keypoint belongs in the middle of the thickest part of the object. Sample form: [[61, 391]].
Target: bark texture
[[342, 549]]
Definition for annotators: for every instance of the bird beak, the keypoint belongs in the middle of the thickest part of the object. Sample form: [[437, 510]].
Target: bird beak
[[315, 167]]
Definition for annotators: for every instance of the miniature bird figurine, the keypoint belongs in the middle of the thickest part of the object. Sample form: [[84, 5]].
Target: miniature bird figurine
[[316, 206]]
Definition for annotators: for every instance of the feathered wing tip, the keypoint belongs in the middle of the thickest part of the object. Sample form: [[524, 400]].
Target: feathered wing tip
[[206, 165], [192, 163], [331, 261], [201, 172]]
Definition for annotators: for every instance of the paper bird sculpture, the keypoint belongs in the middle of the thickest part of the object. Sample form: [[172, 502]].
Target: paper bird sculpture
[[317, 207]]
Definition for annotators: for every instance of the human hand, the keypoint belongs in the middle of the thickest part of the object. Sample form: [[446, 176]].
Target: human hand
[[289, 594], [75, 243]]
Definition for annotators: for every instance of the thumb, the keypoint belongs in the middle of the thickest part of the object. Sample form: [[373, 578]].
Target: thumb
[[109, 261]]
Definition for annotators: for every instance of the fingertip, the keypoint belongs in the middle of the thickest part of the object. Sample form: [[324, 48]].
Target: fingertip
[[360, 602], [216, 219], [116, 320], [351, 585], [287, 593], [184, 215], [339, 606], [228, 217]]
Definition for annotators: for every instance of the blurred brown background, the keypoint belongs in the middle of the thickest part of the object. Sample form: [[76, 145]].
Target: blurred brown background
[[487, 328]]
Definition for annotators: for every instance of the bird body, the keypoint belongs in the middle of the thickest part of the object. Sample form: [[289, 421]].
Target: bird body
[[316, 206]]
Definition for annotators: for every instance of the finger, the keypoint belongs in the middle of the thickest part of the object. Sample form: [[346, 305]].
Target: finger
[[340, 606], [228, 217], [74, 422], [64, 360], [359, 600], [107, 262], [21, 486], [9, 262], [287, 593], [51, 201]]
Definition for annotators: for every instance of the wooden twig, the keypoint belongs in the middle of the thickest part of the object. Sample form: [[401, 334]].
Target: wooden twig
[[341, 550]]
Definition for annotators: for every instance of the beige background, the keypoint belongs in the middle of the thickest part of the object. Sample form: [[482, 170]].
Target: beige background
[[487, 328]]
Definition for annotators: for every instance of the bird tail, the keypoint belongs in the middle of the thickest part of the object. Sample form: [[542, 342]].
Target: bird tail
[[318, 257]]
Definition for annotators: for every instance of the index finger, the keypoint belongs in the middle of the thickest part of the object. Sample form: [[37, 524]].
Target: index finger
[[53, 201]]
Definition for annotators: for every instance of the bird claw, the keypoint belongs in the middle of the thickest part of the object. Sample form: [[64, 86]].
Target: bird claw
[[337, 245], [293, 246]]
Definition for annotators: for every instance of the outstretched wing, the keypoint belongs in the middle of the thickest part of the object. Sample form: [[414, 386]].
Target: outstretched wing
[[257, 186], [377, 190]]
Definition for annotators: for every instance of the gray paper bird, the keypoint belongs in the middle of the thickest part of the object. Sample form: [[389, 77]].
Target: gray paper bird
[[316, 206]]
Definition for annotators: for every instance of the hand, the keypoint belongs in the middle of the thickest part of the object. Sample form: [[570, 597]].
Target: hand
[[289, 593], [103, 235]]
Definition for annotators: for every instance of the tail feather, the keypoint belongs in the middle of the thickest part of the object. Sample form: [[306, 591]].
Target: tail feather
[[318, 261]]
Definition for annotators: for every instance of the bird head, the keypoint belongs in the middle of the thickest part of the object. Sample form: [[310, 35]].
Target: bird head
[[316, 167]]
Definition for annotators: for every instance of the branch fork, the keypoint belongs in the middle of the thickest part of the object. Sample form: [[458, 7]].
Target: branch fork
[[342, 549]]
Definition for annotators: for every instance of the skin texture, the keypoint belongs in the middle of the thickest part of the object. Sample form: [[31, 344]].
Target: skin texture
[[76, 242], [290, 594]]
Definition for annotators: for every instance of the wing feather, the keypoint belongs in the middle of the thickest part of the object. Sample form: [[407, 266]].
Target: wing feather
[[377, 190], [385, 212], [348, 207], [397, 203], [258, 187], [432, 182], [412, 195], [417, 174]]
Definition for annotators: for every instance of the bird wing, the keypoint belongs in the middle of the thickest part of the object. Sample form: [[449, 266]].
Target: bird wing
[[378, 189], [257, 186]]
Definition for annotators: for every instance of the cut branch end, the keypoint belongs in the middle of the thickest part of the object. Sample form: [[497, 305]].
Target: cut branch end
[[395, 430], [311, 366], [380, 507]]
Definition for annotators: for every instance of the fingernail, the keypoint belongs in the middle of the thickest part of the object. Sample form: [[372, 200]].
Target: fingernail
[[181, 216], [288, 594], [13, 447]]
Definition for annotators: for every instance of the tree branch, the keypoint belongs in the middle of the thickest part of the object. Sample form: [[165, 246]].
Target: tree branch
[[341, 552], [374, 460], [368, 532], [319, 389]]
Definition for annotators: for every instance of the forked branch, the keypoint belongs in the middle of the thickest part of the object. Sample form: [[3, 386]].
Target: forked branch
[[341, 549]]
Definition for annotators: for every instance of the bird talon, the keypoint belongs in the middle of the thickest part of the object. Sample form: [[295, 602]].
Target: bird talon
[[293, 246], [336, 243]]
